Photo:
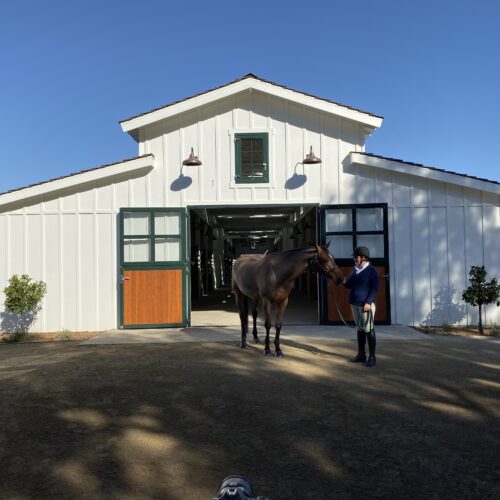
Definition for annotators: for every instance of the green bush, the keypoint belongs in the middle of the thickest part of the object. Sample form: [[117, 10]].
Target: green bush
[[481, 292], [23, 298]]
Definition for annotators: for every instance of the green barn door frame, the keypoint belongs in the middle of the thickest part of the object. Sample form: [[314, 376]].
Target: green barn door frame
[[149, 260], [356, 232]]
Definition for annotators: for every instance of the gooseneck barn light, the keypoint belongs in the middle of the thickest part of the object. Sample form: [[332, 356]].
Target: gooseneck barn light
[[311, 158], [192, 161]]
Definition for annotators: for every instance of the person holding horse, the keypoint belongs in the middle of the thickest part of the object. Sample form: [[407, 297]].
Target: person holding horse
[[363, 283]]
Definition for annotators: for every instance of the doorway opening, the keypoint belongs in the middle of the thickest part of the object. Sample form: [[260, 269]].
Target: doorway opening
[[219, 235]]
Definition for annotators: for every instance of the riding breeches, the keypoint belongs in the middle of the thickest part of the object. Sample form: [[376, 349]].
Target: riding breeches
[[364, 320]]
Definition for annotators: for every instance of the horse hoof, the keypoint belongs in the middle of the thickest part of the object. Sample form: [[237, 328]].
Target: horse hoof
[[278, 353], [267, 352], [256, 340], [243, 345]]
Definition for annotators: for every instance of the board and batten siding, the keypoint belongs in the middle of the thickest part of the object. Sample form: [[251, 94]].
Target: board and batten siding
[[210, 130], [437, 231]]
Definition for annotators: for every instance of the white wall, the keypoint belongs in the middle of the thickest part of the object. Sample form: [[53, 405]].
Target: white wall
[[437, 231], [292, 129]]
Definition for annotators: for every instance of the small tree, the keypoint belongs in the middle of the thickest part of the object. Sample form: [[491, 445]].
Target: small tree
[[480, 292], [23, 297]]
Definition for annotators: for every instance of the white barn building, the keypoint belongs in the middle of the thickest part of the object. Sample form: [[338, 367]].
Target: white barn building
[[136, 243]]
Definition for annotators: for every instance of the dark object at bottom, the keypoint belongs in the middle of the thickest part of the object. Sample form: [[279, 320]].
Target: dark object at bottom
[[236, 488]]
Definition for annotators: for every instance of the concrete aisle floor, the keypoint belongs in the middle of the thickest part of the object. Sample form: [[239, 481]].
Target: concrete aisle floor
[[214, 318]]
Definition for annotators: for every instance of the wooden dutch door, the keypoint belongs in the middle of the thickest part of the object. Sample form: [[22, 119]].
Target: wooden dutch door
[[153, 268], [347, 227]]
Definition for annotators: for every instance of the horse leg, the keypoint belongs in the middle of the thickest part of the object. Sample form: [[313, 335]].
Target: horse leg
[[242, 303], [267, 311], [280, 311], [255, 312]]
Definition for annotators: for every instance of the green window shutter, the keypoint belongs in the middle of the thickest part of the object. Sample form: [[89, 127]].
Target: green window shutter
[[252, 158]]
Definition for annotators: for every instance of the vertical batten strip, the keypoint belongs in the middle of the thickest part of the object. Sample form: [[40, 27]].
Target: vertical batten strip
[[61, 264], [25, 242], [147, 186], [180, 147], [287, 157], [78, 237], [96, 259], [322, 151], [165, 169], [217, 157], [114, 267], [271, 158], [199, 130]]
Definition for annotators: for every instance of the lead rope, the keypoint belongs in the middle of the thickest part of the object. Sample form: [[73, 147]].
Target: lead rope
[[340, 314]]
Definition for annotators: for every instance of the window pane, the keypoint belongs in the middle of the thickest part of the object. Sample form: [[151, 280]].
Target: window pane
[[252, 158], [369, 219], [136, 223], [136, 250], [167, 249], [167, 223], [338, 220], [375, 244], [340, 246]]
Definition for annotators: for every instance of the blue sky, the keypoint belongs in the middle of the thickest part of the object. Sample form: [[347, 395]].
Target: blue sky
[[69, 71]]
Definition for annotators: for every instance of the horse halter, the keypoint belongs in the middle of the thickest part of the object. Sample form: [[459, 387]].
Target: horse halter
[[319, 266]]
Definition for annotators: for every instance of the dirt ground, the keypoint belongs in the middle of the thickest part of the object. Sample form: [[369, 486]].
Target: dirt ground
[[171, 421]]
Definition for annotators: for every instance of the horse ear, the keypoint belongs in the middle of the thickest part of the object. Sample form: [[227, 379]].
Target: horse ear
[[328, 244], [318, 249]]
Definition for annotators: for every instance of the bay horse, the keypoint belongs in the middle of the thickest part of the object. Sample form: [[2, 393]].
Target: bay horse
[[269, 279]]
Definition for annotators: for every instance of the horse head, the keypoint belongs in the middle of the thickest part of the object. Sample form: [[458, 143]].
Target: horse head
[[326, 265]]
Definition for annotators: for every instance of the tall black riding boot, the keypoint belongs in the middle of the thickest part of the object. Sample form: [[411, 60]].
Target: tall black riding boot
[[372, 342], [361, 356]]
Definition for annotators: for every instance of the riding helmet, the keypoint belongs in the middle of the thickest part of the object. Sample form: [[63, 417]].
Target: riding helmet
[[361, 252]]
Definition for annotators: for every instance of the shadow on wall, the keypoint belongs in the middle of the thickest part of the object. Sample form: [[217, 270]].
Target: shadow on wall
[[13, 323], [445, 311], [182, 182]]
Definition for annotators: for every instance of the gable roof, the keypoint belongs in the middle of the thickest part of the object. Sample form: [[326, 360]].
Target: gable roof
[[249, 82], [418, 169], [102, 173]]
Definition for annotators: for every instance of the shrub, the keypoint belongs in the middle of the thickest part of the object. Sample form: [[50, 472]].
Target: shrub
[[481, 292], [64, 334], [23, 298]]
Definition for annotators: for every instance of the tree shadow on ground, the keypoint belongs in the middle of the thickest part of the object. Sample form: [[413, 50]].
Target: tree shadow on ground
[[172, 420]]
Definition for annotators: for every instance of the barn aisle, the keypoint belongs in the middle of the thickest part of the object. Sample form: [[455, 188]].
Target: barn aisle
[[219, 309]]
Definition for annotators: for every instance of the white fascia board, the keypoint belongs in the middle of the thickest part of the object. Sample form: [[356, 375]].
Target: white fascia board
[[243, 85], [422, 171], [145, 163]]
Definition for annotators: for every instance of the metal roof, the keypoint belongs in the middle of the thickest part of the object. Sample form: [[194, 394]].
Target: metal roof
[[251, 75], [426, 166]]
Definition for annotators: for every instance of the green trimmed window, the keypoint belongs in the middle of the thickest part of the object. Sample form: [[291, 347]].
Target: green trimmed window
[[151, 236], [252, 158]]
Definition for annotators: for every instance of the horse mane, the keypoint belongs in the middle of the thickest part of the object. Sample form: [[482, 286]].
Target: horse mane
[[293, 250]]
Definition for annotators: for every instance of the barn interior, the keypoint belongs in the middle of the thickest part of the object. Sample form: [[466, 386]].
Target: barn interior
[[219, 235]]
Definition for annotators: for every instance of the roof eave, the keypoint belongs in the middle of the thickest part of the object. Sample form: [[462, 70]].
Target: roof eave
[[423, 171], [134, 123], [30, 194]]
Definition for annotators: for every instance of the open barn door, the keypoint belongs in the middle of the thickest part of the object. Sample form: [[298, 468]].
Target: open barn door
[[154, 284], [347, 227]]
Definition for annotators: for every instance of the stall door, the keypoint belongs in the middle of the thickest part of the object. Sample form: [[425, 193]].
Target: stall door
[[346, 227], [153, 268]]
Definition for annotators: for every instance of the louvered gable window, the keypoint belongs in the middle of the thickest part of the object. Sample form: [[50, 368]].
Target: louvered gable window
[[252, 158]]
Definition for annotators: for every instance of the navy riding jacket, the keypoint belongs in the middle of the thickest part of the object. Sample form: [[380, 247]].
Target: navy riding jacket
[[363, 286]]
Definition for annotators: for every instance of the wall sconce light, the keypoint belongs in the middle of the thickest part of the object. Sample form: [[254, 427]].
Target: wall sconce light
[[311, 159], [192, 161]]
